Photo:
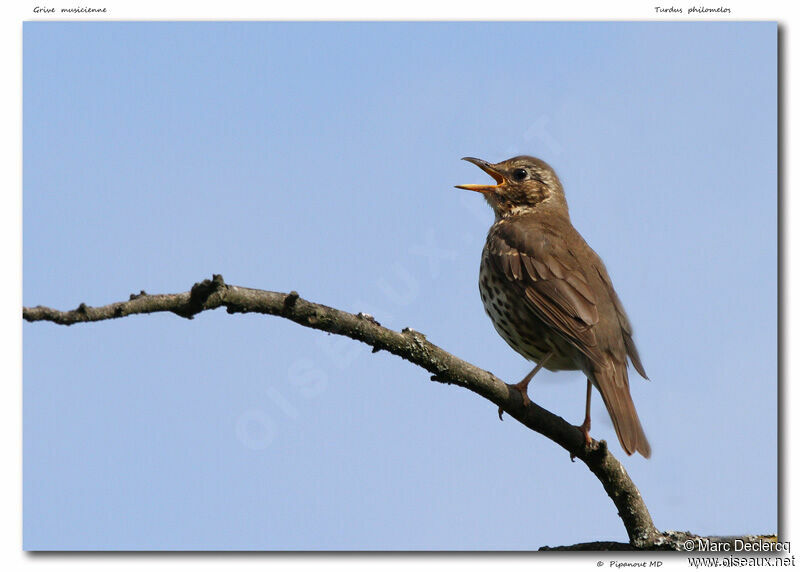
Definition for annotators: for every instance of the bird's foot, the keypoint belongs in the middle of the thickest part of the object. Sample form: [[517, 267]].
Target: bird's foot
[[584, 428], [522, 387]]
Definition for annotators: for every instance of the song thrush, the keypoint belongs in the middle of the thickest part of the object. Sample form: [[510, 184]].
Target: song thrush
[[549, 295]]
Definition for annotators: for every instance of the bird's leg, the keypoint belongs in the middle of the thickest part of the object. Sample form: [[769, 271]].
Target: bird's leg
[[522, 386], [587, 421]]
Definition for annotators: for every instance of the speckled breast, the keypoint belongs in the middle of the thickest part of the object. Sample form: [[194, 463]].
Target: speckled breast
[[518, 325]]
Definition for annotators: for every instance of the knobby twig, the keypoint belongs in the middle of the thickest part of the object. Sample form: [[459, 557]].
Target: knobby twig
[[408, 344]]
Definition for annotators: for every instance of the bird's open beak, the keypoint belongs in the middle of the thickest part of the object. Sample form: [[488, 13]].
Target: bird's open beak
[[489, 168]]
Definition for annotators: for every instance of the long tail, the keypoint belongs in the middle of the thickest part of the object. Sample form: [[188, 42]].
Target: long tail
[[612, 381]]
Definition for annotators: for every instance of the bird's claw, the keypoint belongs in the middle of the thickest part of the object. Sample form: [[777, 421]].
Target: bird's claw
[[525, 399], [584, 429], [523, 391]]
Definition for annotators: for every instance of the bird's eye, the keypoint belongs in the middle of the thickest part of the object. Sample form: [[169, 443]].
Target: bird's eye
[[519, 174]]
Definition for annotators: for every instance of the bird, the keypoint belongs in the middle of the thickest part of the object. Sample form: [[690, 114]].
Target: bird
[[549, 295]]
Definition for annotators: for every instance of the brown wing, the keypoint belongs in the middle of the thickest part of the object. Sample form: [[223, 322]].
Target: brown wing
[[559, 293], [627, 330], [556, 290]]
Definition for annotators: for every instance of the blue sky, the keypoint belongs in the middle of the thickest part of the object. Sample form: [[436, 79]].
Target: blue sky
[[321, 158]]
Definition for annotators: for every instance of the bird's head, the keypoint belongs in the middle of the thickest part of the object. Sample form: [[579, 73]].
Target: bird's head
[[522, 184]]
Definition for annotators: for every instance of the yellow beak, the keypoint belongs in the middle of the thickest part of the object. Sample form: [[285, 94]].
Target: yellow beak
[[488, 168]]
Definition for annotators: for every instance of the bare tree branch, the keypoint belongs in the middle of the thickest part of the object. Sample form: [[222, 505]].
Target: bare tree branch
[[675, 541], [408, 344]]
